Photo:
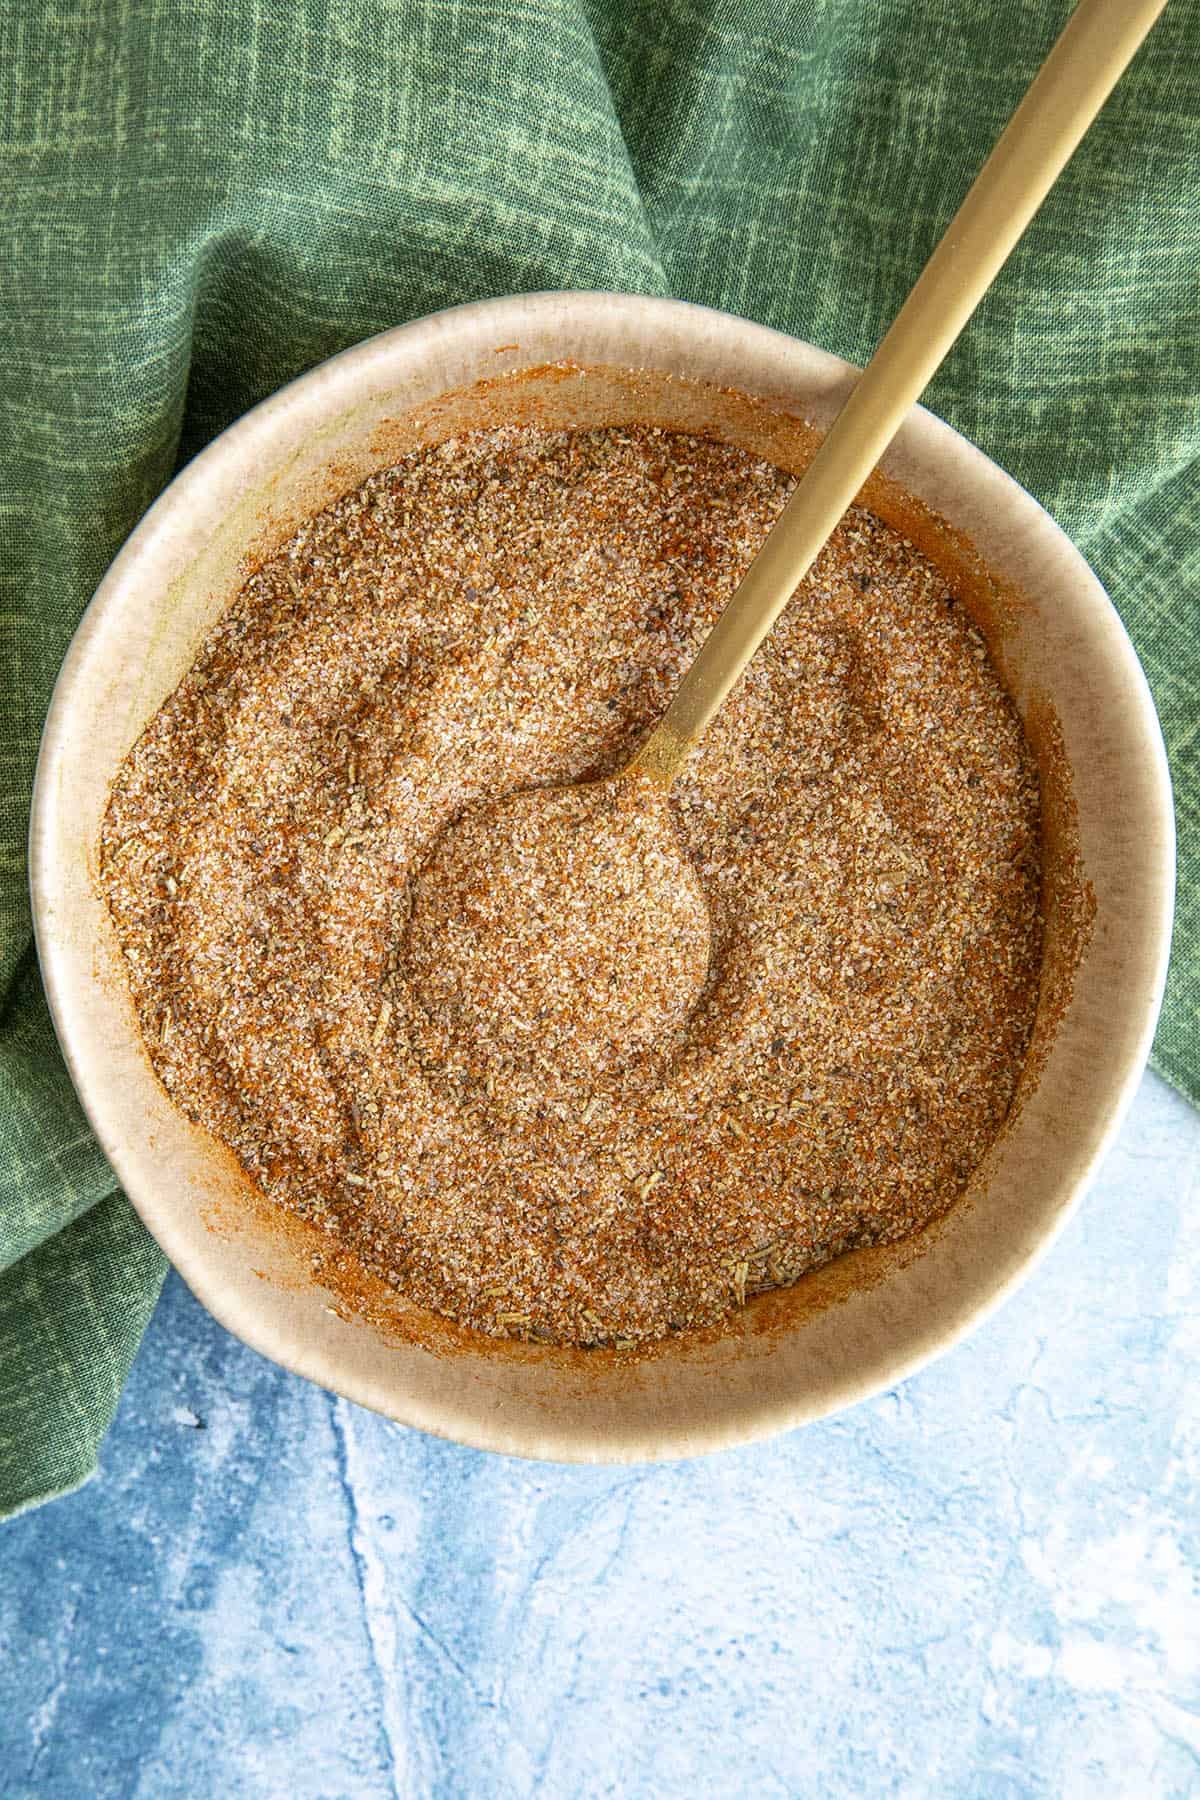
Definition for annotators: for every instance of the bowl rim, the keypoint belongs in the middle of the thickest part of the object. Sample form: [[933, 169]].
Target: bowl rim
[[238, 444]]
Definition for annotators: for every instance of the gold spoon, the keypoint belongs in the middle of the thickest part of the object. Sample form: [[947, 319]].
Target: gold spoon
[[634, 898]]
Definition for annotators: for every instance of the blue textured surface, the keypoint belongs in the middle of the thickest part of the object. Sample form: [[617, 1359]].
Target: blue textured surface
[[983, 1584]]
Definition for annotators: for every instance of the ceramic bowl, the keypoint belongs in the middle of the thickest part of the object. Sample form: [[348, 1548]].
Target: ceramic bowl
[[842, 1333]]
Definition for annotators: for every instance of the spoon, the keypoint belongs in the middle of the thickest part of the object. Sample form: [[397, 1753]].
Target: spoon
[[1072, 85], [601, 860]]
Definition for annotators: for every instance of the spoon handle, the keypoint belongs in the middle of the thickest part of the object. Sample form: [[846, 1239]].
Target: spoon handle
[[1072, 85]]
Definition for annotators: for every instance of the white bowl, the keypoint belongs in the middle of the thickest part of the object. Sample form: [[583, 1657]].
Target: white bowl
[[844, 1332]]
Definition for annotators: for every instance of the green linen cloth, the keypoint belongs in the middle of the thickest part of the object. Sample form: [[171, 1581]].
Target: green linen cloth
[[202, 198]]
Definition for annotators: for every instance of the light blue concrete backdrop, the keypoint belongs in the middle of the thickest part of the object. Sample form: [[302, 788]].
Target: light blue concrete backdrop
[[983, 1584]]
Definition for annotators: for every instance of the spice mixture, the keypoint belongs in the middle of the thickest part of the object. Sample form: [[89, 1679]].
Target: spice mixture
[[581, 1067]]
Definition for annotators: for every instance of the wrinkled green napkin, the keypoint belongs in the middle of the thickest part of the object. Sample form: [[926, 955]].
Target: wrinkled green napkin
[[201, 198]]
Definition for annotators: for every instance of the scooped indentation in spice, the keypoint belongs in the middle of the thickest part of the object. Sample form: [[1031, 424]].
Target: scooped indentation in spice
[[558, 933]]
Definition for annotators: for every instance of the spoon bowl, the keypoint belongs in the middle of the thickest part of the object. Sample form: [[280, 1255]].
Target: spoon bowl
[[561, 931]]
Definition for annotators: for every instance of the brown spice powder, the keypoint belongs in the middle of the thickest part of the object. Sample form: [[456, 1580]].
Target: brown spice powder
[[816, 1053]]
